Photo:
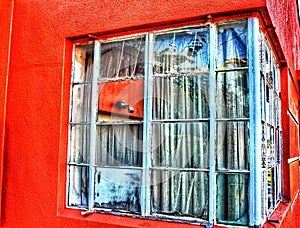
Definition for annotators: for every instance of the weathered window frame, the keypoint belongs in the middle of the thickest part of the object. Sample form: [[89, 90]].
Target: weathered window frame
[[254, 172]]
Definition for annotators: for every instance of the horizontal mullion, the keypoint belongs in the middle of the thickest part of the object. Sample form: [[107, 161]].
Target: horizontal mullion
[[180, 120], [232, 119], [180, 169], [78, 164], [101, 80], [119, 122], [232, 69], [118, 167], [233, 171], [170, 75], [79, 123], [82, 83]]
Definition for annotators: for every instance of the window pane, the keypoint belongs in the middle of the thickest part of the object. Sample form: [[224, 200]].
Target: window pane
[[123, 58], [79, 143], [83, 63], [121, 100], [182, 52], [120, 145], [78, 186], [118, 189], [232, 45], [232, 199], [263, 97], [232, 145], [180, 193], [232, 95], [81, 103], [180, 97], [264, 191], [180, 145]]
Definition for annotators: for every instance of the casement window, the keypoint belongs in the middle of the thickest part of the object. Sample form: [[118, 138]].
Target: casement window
[[271, 129], [167, 125]]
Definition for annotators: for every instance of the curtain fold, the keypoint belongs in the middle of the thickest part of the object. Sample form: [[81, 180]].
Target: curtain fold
[[232, 98], [79, 129], [180, 95]]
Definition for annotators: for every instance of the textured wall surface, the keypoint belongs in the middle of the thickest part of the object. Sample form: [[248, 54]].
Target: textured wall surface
[[38, 92]]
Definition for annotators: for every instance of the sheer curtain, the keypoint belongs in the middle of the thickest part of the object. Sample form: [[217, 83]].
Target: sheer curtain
[[232, 98], [179, 145], [79, 127]]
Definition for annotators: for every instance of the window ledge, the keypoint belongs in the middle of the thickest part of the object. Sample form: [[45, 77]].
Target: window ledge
[[123, 221], [277, 217]]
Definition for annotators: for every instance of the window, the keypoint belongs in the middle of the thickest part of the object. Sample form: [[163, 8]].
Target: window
[[271, 129], [161, 126]]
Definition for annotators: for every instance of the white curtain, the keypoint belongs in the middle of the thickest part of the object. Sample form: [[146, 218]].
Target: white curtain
[[79, 127], [232, 134], [179, 140]]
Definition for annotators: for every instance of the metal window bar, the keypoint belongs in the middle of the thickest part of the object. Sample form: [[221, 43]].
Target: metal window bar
[[146, 182], [255, 124], [212, 127], [94, 113]]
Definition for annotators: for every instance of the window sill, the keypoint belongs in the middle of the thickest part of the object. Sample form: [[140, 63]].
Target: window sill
[[122, 220], [277, 217]]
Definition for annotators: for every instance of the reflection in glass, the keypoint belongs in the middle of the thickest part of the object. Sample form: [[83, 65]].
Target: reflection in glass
[[182, 52], [118, 189], [232, 45]]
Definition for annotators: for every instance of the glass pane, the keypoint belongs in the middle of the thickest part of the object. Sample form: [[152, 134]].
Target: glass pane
[[183, 145], [121, 100], [118, 189], [264, 192], [83, 63], [232, 199], [232, 145], [123, 58], [232, 95], [264, 161], [120, 145], [269, 105], [271, 190], [180, 97], [78, 186], [81, 103], [182, 52], [263, 98], [232, 45], [79, 143], [270, 146], [180, 193]]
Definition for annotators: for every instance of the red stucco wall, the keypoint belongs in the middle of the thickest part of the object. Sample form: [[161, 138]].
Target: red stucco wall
[[5, 35], [284, 17], [38, 95]]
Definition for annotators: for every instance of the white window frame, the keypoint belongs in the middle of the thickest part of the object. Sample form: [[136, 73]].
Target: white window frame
[[254, 172]]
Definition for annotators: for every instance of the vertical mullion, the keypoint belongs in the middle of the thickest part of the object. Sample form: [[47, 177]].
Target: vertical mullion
[[212, 124], [255, 124], [146, 182], [93, 130]]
